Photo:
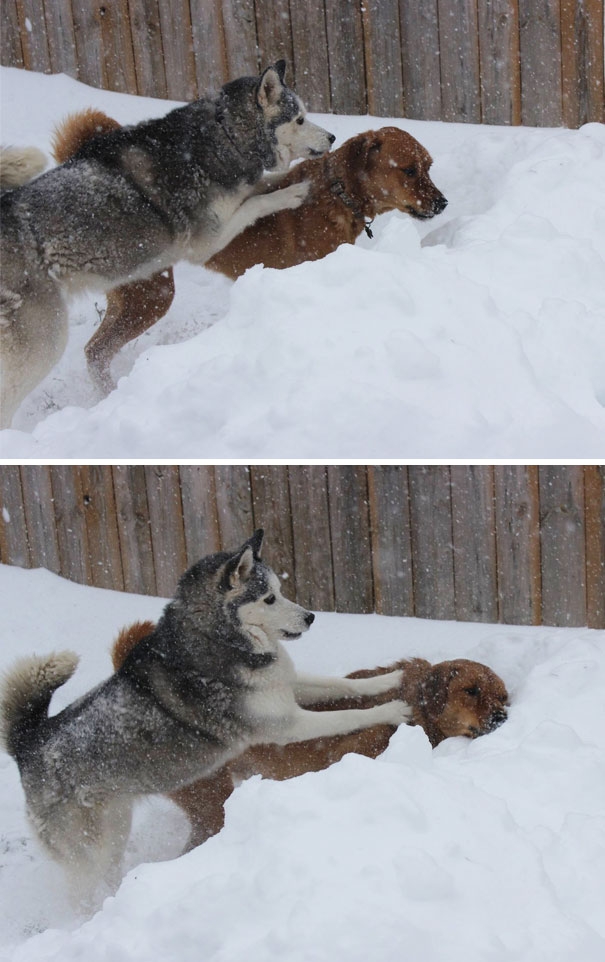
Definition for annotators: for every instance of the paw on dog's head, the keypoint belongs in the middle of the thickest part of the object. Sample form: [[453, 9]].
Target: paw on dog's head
[[459, 698]]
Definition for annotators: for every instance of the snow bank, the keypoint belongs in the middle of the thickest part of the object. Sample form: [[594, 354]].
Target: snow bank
[[479, 334], [489, 850]]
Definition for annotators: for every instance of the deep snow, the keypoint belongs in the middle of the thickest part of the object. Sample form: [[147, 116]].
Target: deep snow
[[489, 850], [479, 334]]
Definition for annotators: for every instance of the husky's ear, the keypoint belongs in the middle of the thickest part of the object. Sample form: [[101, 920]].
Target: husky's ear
[[280, 66], [239, 568], [270, 87], [256, 542]]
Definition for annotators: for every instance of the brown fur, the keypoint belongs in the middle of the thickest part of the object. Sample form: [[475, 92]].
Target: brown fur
[[451, 698], [371, 169]]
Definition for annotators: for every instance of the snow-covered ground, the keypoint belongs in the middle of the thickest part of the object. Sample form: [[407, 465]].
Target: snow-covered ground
[[491, 850], [479, 334]]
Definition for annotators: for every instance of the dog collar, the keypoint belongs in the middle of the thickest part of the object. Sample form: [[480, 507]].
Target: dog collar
[[338, 189]]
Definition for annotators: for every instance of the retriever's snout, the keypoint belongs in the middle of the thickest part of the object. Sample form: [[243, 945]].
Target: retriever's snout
[[439, 204], [497, 718]]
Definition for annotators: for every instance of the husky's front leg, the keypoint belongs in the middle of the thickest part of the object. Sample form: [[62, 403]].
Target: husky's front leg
[[257, 206], [303, 724], [316, 689]]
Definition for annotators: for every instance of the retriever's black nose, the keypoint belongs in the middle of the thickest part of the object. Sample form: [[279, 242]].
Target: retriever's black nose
[[440, 204]]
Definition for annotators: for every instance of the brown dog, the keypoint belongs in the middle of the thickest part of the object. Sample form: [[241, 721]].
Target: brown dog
[[451, 698], [371, 173]]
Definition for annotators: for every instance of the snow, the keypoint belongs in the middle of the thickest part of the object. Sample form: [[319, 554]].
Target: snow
[[491, 849], [478, 334]]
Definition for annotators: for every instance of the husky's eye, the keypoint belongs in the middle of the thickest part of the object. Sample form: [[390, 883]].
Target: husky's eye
[[300, 120], [270, 600], [409, 171]]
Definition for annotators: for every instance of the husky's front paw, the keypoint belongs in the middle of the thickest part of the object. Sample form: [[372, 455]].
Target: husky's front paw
[[292, 196], [397, 712]]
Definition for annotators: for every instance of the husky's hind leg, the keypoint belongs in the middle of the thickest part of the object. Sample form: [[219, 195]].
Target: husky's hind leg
[[88, 840], [33, 337]]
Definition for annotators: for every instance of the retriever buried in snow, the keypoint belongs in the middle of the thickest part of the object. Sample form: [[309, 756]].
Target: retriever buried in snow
[[211, 680], [134, 201]]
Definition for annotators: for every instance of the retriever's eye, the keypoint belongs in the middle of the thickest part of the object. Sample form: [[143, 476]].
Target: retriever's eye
[[270, 600], [300, 120], [473, 691], [410, 171]]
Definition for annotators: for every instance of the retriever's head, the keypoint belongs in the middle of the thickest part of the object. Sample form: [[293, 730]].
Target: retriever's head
[[463, 697], [393, 172]]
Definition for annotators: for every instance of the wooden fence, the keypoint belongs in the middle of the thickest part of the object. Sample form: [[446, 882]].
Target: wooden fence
[[516, 544], [535, 62]]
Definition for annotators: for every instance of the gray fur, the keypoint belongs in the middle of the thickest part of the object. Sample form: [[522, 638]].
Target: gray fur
[[132, 202], [211, 680]]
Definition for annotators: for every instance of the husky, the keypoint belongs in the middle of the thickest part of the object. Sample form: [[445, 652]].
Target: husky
[[133, 202], [211, 680]]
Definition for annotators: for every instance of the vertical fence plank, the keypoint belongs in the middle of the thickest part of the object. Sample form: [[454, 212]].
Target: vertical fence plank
[[34, 42], [421, 58], [40, 517], [71, 525], [101, 527], [474, 535], [200, 519], [384, 70], [11, 35], [130, 492], [241, 45], [274, 31], [271, 508], [310, 48], [459, 45], [117, 50], [582, 61], [147, 48], [61, 35], [540, 45], [87, 32], [347, 69], [166, 520], [563, 540], [311, 536], [14, 547], [350, 533], [179, 63], [234, 504], [499, 62], [208, 42], [518, 544], [391, 540], [594, 486], [432, 549]]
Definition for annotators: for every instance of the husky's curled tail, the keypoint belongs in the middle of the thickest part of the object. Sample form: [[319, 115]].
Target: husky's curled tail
[[19, 165], [25, 696]]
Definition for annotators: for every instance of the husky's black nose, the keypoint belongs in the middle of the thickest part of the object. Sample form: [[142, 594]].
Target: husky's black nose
[[309, 618], [331, 138]]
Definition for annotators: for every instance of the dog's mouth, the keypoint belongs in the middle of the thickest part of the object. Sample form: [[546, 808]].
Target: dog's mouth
[[291, 635]]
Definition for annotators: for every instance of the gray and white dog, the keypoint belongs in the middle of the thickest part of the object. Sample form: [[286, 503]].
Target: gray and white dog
[[133, 202], [211, 680]]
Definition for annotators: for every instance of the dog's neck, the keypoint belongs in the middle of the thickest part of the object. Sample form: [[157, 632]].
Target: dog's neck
[[338, 189]]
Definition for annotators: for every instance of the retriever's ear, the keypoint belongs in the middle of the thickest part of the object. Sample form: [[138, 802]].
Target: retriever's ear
[[436, 687], [363, 149]]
